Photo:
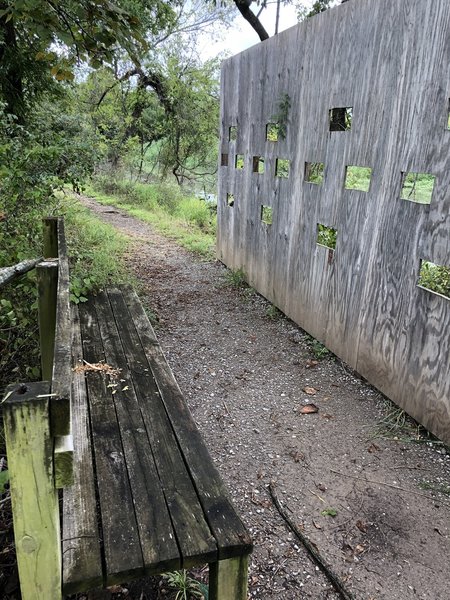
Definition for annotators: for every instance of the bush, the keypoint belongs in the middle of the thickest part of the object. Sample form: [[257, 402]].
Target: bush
[[194, 211]]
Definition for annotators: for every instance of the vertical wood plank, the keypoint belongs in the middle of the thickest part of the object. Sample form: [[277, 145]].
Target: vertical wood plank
[[228, 579], [34, 498], [388, 60], [50, 237], [47, 282], [62, 374], [63, 461]]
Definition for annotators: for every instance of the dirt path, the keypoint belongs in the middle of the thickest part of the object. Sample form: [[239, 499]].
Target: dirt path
[[246, 374]]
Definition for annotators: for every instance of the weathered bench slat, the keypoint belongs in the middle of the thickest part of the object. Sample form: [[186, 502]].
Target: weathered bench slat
[[82, 564], [193, 534], [231, 535], [121, 545], [157, 538], [61, 378]]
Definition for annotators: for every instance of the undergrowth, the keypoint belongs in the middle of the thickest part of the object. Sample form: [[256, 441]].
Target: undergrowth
[[187, 220], [396, 424], [96, 251]]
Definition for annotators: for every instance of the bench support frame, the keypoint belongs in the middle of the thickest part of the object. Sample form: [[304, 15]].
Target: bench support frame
[[228, 579]]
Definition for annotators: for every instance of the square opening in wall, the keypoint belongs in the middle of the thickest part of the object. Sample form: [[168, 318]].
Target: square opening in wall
[[341, 118], [434, 278], [266, 214], [230, 200], [239, 161], [358, 178], [232, 133], [314, 172], [272, 132], [326, 236], [282, 167], [258, 164], [417, 187], [224, 160]]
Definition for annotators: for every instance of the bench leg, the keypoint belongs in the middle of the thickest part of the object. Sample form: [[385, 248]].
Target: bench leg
[[34, 498], [228, 579]]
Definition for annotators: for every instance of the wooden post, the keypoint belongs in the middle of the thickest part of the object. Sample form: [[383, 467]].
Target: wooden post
[[228, 579], [63, 457], [47, 282], [33, 494], [50, 234]]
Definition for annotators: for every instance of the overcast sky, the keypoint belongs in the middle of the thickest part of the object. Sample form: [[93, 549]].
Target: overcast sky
[[241, 36]]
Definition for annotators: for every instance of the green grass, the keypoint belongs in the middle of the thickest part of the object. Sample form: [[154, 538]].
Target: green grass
[[237, 278], [326, 236], [357, 178], [417, 187], [187, 220], [442, 488], [435, 278], [95, 249], [396, 424]]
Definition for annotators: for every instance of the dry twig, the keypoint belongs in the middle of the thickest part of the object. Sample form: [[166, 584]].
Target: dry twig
[[311, 548]]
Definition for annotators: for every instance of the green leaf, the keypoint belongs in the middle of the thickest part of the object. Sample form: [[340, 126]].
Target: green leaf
[[4, 478], [329, 512]]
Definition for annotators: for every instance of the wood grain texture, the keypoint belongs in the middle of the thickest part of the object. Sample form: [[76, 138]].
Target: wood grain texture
[[47, 286], [231, 537], [190, 528], [121, 544], [152, 464], [63, 461], [388, 60], [82, 565], [174, 509], [228, 579], [8, 274], [33, 495], [54, 239]]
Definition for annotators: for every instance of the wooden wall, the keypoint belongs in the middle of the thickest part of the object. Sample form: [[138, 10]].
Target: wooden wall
[[390, 61]]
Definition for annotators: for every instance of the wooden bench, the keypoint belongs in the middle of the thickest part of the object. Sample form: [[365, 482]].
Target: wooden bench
[[141, 494]]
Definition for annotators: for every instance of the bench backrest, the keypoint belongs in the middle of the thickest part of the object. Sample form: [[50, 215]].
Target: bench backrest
[[56, 340]]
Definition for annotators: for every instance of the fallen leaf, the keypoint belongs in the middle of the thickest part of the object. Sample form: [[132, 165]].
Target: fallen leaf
[[311, 363], [361, 526], [117, 589], [373, 448], [309, 409], [310, 390], [296, 455]]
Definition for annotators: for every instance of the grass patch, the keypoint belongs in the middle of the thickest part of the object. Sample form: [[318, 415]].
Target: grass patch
[[417, 187], [236, 278], [435, 278], [273, 313], [396, 424], [95, 249], [317, 349], [187, 220], [441, 488]]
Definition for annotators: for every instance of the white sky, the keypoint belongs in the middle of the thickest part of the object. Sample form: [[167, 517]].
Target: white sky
[[241, 35]]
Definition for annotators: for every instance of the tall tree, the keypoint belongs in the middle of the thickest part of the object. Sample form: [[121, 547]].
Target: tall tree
[[44, 39]]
